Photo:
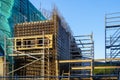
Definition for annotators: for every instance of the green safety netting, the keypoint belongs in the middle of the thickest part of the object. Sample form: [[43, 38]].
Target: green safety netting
[[5, 13], [10, 15]]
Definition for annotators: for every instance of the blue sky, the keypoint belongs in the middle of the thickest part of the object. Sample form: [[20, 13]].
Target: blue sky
[[84, 17]]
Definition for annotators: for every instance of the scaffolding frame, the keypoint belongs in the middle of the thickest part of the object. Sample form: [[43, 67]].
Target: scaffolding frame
[[92, 67], [26, 53], [86, 44], [44, 55], [112, 35]]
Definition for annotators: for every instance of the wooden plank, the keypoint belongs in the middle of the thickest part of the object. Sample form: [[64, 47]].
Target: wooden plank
[[74, 61], [105, 78], [106, 67], [109, 78], [109, 59], [35, 36], [82, 68], [88, 60], [98, 67], [26, 54], [31, 48]]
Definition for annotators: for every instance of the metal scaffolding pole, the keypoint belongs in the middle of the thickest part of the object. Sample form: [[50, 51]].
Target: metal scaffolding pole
[[5, 54], [43, 57], [112, 35]]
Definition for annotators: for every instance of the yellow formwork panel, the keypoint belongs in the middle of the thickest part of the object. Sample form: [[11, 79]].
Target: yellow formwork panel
[[1, 66], [33, 42]]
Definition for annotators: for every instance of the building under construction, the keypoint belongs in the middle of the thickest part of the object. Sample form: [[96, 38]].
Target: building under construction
[[46, 49], [47, 41]]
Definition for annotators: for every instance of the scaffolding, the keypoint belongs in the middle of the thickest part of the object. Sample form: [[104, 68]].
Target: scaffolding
[[47, 50], [104, 72], [37, 48], [75, 51], [86, 44], [82, 55], [41, 52], [32, 59], [112, 35]]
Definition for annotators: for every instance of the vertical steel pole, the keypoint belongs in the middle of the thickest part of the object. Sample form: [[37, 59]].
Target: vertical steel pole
[[105, 39], [105, 43], [5, 54], [48, 61], [43, 55]]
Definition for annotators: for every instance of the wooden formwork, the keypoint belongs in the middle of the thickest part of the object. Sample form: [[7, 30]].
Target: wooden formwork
[[2, 66], [48, 65], [34, 28]]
